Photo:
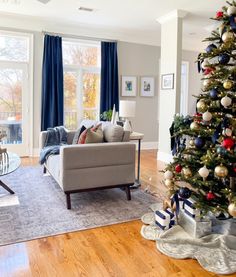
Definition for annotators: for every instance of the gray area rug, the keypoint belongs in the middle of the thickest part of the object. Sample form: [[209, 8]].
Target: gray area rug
[[42, 211]]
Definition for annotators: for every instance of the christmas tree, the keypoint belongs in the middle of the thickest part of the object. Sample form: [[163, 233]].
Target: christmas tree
[[204, 144]]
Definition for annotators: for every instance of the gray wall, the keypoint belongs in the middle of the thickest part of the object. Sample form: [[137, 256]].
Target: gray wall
[[135, 60], [143, 60]]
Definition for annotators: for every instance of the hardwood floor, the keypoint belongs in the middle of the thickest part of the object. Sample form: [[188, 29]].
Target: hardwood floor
[[116, 250]]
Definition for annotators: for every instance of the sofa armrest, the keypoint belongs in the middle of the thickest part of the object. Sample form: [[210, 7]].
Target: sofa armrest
[[42, 139], [97, 154]]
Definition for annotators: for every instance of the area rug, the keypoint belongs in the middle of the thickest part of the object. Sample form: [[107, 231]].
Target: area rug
[[42, 210]]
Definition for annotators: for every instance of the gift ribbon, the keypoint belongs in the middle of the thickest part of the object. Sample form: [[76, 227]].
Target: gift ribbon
[[175, 199]]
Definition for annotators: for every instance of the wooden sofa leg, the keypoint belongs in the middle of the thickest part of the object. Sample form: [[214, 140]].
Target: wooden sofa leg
[[128, 194], [68, 200]]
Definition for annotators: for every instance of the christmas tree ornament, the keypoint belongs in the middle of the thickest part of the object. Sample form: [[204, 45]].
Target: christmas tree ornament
[[178, 168], [197, 117], [203, 172], [206, 83], [207, 116], [210, 48], [232, 209], [221, 151], [205, 64], [221, 171], [228, 143], [186, 172], [169, 183], [185, 192], [208, 70], [210, 196], [219, 14], [201, 106], [231, 10], [213, 93], [168, 175], [223, 58], [226, 101], [227, 36], [227, 132], [199, 142], [194, 126], [228, 84], [191, 143]]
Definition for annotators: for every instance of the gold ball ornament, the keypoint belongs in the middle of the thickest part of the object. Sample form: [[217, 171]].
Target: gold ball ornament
[[194, 126], [221, 171], [201, 106], [228, 84], [191, 143], [232, 209], [169, 183], [186, 172], [227, 36]]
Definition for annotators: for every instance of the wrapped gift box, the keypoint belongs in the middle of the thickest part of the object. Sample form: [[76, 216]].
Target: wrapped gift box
[[164, 219], [190, 209], [194, 228]]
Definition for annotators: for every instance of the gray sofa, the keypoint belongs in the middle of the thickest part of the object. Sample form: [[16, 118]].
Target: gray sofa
[[87, 167]]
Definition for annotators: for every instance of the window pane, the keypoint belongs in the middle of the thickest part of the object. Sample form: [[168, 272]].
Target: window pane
[[91, 88], [70, 101], [11, 105], [14, 48], [90, 114], [81, 54]]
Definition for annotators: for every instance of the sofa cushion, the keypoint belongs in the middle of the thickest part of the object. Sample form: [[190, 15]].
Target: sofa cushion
[[78, 132], [113, 133], [94, 135], [82, 136]]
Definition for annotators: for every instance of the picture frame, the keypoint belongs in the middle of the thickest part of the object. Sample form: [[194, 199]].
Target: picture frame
[[128, 86], [167, 81], [147, 86]]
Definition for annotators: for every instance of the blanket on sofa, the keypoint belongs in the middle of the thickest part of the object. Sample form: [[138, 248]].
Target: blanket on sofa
[[56, 137]]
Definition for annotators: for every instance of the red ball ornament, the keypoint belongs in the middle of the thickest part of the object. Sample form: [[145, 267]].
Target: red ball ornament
[[210, 196], [197, 117], [219, 14], [228, 143], [178, 168], [208, 70]]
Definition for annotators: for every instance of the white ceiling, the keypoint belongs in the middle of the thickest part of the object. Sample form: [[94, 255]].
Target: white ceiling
[[133, 20]]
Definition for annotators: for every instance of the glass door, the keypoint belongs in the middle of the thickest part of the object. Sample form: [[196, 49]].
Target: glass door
[[14, 107]]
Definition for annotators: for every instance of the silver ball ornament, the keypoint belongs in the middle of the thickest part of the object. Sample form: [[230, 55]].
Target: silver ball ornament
[[231, 10], [227, 36], [207, 116], [226, 101], [168, 175], [232, 209], [203, 172]]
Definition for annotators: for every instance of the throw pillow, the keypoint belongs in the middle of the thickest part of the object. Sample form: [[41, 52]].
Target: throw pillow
[[113, 133], [94, 135], [83, 135], [77, 134]]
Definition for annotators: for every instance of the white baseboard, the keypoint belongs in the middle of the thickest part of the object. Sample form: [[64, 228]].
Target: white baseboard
[[164, 157]]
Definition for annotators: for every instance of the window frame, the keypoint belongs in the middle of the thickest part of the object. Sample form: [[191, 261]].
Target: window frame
[[79, 71]]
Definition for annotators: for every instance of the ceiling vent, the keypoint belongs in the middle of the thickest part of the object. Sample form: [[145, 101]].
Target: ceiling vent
[[84, 9]]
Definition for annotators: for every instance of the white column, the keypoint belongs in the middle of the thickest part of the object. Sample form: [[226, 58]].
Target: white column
[[171, 59]]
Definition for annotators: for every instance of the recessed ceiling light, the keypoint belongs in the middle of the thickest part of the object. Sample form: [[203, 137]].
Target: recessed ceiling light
[[85, 9]]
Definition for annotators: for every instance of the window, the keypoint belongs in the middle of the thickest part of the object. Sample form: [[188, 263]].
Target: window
[[81, 81], [14, 92]]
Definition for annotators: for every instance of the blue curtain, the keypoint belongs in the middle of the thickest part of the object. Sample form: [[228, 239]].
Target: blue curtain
[[52, 112], [109, 77]]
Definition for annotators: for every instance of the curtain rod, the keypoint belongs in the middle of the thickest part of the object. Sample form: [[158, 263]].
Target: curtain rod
[[78, 37]]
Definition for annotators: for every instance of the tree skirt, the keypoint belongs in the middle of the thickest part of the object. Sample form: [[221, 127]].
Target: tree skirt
[[215, 253]]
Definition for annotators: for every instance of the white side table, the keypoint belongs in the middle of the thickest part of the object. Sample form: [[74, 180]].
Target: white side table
[[137, 136]]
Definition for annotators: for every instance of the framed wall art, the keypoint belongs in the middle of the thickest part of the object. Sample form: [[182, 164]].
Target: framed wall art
[[147, 88], [128, 86], [167, 81]]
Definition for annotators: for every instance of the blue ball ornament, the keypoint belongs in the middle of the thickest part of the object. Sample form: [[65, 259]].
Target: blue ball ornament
[[213, 93], [210, 48], [199, 142], [223, 58], [221, 151], [185, 192]]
